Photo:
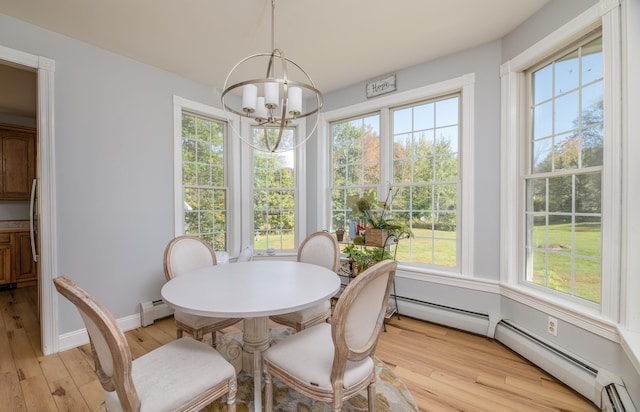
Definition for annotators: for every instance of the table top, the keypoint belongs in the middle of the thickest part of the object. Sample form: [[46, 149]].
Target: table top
[[251, 289]]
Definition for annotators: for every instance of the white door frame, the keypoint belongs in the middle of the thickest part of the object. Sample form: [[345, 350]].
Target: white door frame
[[45, 68]]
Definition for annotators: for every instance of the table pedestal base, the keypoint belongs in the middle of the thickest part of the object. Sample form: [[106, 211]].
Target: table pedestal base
[[256, 339]]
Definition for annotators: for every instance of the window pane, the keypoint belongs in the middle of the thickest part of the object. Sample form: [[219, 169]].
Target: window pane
[[566, 151], [588, 199], [542, 120], [566, 112], [566, 73], [542, 156], [592, 61], [542, 84], [560, 194]]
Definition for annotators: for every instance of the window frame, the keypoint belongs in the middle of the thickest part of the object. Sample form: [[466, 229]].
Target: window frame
[[514, 138], [464, 85], [181, 105]]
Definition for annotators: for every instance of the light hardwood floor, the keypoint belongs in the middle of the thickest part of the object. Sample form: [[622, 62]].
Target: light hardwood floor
[[445, 369]]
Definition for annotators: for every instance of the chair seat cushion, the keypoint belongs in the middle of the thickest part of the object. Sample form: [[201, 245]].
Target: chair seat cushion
[[321, 310], [308, 357], [197, 322], [174, 375]]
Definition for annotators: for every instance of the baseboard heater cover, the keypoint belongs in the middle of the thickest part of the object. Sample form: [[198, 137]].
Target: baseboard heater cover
[[473, 322], [615, 398], [153, 310], [580, 375]]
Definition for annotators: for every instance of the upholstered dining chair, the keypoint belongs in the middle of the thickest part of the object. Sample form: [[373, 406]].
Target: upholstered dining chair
[[332, 362], [319, 248], [182, 375], [184, 254]]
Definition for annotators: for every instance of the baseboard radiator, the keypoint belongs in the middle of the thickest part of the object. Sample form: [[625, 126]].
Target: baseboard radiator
[[152, 310], [601, 387], [473, 322]]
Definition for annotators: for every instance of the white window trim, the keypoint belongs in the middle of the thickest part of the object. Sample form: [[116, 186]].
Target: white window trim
[[300, 186], [513, 121], [465, 85], [231, 159]]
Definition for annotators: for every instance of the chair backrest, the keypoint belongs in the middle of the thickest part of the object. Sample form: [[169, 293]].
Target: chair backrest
[[109, 346], [358, 316], [320, 248], [186, 253]]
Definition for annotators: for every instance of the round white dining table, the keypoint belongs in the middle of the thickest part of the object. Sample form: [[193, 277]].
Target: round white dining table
[[253, 291]]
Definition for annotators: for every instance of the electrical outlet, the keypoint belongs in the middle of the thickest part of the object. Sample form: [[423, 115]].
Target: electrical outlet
[[552, 326]]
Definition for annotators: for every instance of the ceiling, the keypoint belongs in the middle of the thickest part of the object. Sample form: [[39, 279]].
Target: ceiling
[[338, 42]]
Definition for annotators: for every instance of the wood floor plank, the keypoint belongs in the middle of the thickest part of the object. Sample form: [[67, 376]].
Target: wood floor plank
[[37, 395], [80, 370], [67, 396], [11, 398], [25, 359]]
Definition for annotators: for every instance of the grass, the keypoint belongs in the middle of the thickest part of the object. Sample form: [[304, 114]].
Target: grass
[[566, 265]]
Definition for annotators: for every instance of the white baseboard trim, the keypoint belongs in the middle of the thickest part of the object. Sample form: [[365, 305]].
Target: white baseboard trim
[[80, 337]]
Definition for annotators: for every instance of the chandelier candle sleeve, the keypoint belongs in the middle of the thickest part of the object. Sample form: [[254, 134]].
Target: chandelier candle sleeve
[[261, 110], [249, 94], [295, 100], [271, 95]]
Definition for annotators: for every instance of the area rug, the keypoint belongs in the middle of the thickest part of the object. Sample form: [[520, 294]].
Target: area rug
[[391, 393]]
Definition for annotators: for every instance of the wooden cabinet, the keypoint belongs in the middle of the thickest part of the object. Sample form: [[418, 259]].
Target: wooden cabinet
[[5, 258], [24, 266], [18, 162], [17, 267]]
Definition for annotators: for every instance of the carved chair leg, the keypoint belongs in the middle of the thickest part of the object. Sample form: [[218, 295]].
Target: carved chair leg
[[371, 394], [231, 396], [179, 333], [268, 391]]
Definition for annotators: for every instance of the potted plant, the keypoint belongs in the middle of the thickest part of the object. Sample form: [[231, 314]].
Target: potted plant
[[361, 258], [379, 226]]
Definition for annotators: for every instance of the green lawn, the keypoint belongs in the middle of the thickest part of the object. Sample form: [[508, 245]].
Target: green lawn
[[561, 253]]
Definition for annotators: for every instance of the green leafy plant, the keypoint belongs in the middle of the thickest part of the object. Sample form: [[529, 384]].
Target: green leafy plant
[[379, 218], [363, 257]]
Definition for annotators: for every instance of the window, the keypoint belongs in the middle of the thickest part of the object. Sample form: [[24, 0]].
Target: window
[[206, 185], [564, 177], [561, 169], [274, 195], [409, 145], [204, 179], [425, 172]]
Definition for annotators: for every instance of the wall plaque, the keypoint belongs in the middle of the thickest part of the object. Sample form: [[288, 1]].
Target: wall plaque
[[381, 86]]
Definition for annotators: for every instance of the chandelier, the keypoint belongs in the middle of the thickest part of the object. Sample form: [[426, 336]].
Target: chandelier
[[275, 101]]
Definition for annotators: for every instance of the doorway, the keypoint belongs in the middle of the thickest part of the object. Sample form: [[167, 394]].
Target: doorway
[[43, 68], [18, 220]]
